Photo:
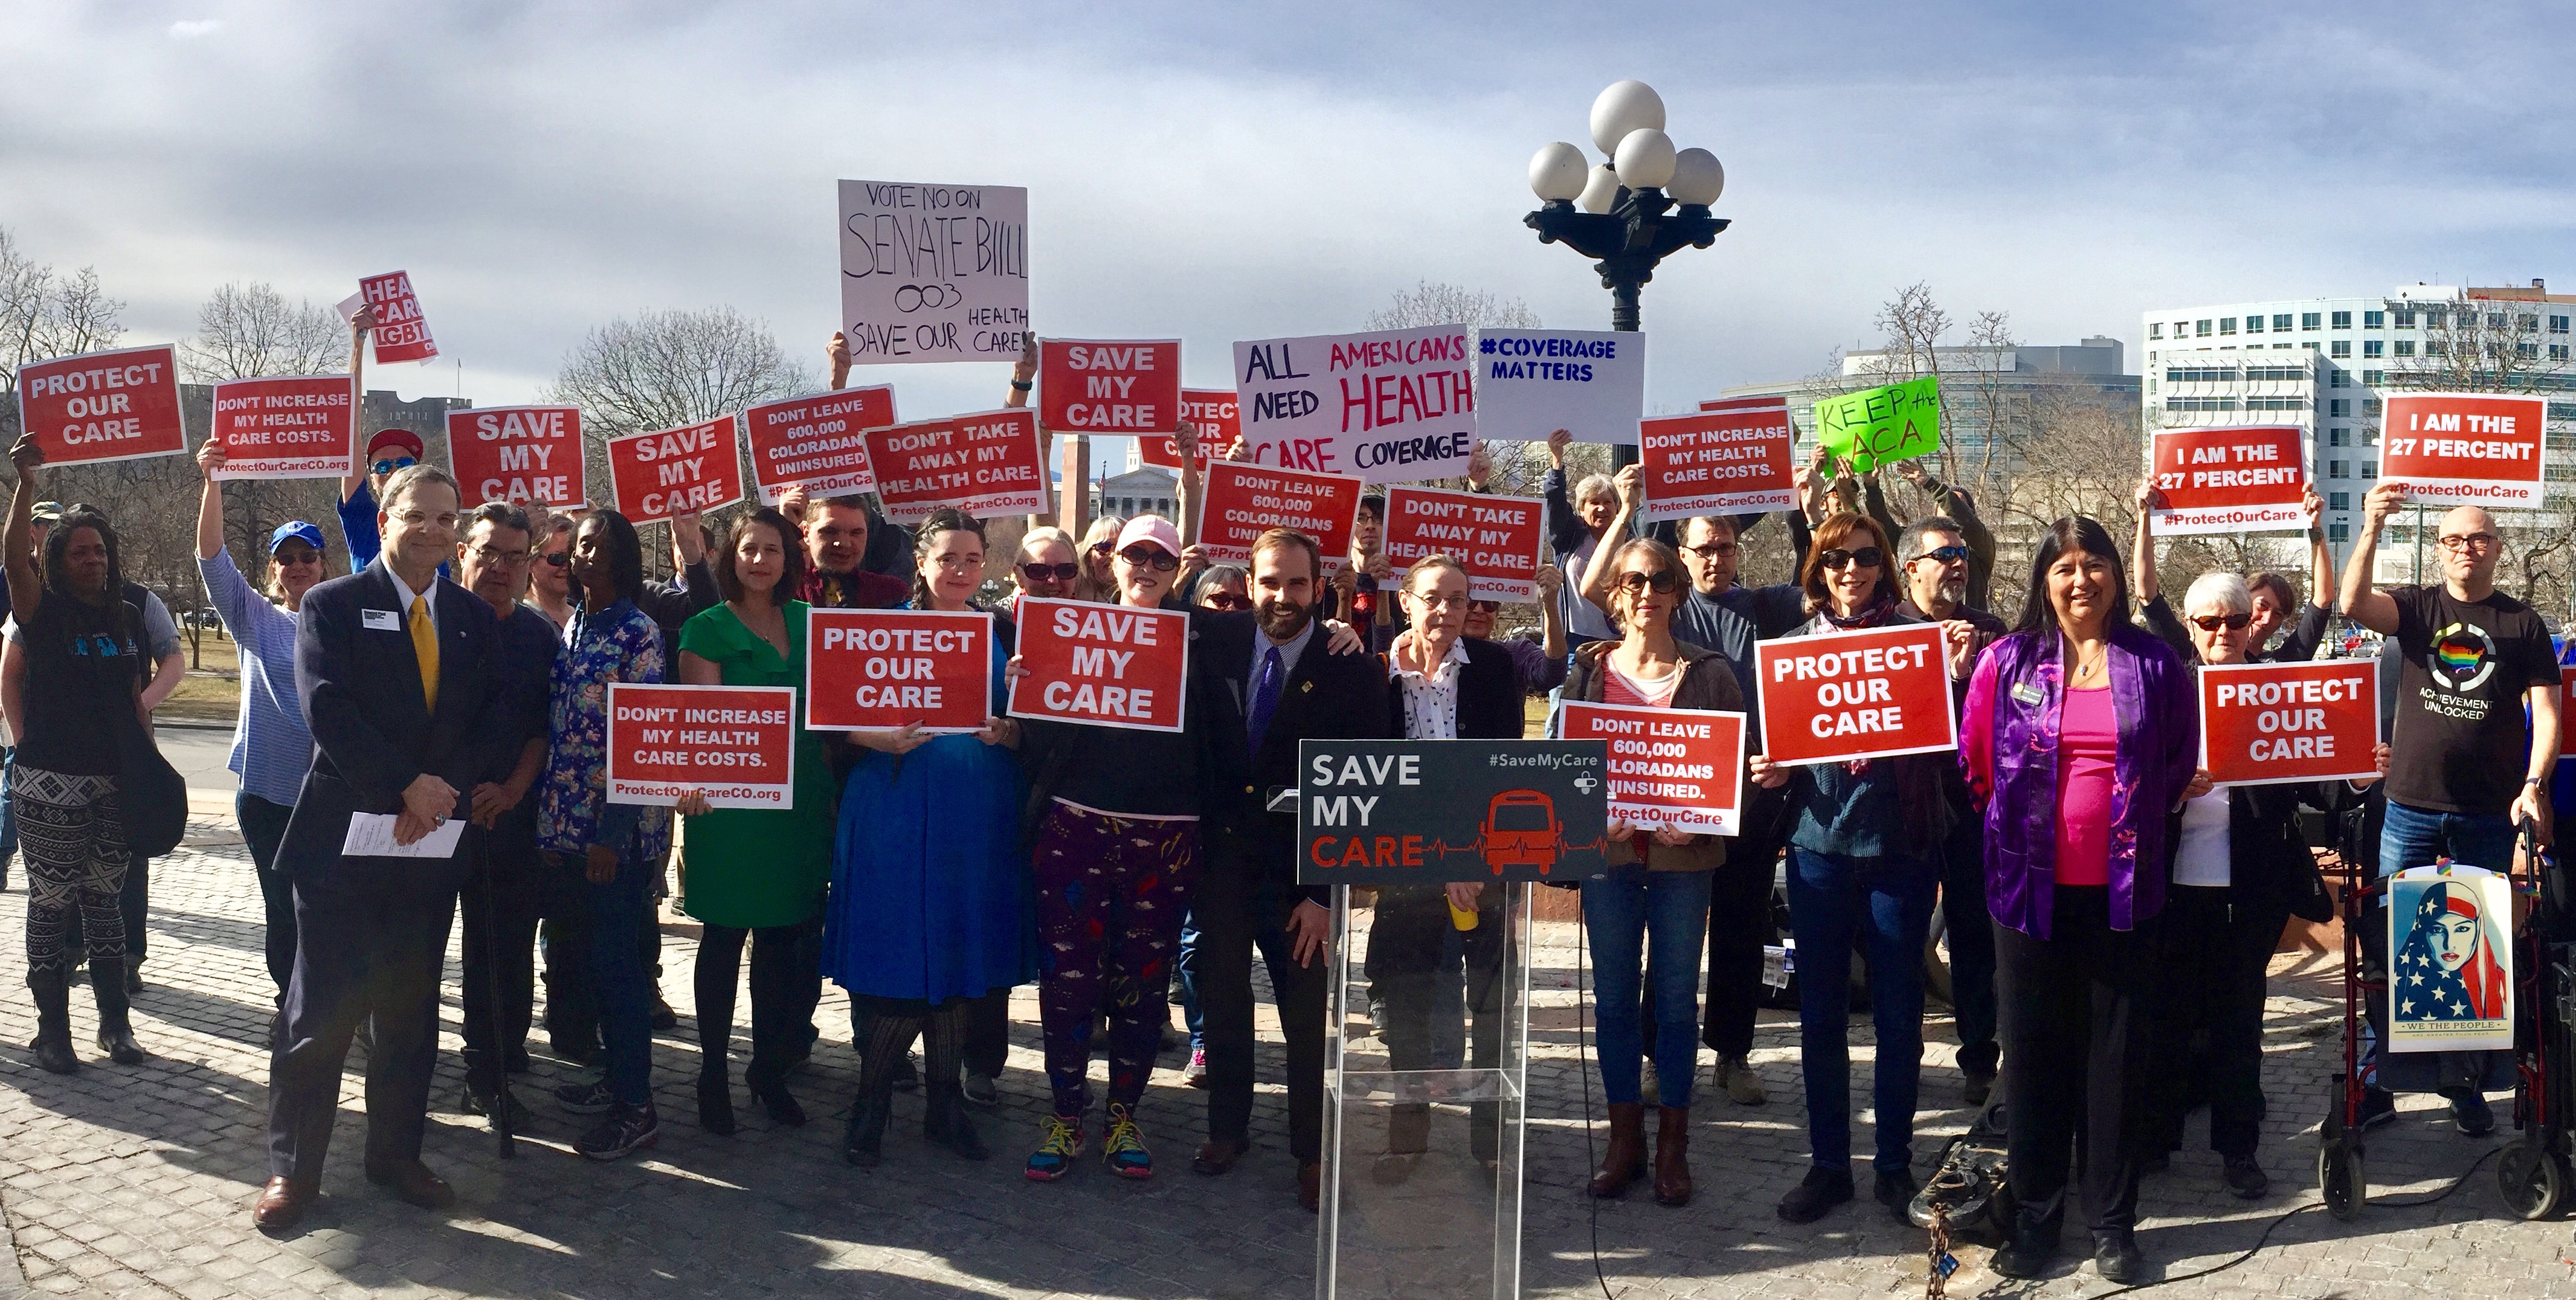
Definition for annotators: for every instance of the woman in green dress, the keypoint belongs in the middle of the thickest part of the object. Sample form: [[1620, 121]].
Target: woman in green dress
[[754, 873]]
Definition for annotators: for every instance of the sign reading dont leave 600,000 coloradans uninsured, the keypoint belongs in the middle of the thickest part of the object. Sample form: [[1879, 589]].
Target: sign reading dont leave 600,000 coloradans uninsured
[[1872, 694], [734, 744], [1680, 769]]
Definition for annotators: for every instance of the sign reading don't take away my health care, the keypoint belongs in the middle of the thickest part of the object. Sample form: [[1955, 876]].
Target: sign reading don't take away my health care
[[1871, 694], [1102, 665], [734, 744], [985, 464], [885, 669], [1496, 538]]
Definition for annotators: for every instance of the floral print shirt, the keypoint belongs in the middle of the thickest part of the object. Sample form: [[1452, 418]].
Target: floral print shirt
[[617, 644]]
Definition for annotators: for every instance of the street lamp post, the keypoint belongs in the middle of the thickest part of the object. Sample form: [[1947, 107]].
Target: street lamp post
[[1629, 213]]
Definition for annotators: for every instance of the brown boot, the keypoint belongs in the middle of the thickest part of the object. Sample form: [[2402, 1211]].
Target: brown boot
[[1626, 1158], [1672, 1155]]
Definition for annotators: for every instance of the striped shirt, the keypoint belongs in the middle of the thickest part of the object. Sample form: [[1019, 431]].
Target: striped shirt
[[272, 748]]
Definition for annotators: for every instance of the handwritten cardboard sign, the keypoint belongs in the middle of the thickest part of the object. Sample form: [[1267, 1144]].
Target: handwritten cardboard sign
[[1102, 665], [1244, 501], [287, 427], [934, 272], [734, 744], [817, 442], [1219, 418], [1095, 386], [2465, 449], [1717, 462], [103, 406], [1530, 383], [984, 464], [402, 333], [1871, 694], [1879, 426], [519, 454], [886, 669], [1390, 406], [660, 474], [1497, 538], [1675, 768], [2264, 724], [2230, 480]]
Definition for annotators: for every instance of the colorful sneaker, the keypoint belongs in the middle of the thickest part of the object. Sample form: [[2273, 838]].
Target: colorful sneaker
[[586, 1098], [1196, 1073], [631, 1129], [1122, 1148], [1054, 1157]]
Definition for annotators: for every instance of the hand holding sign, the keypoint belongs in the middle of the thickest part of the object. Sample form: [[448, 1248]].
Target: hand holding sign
[[1101, 665], [1878, 425]]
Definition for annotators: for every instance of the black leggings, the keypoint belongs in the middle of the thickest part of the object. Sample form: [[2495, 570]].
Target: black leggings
[[884, 1028], [775, 1008]]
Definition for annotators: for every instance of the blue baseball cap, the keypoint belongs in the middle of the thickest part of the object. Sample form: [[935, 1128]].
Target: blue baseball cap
[[295, 530]]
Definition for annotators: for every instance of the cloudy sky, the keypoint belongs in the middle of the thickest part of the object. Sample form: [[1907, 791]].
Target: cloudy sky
[[1220, 172]]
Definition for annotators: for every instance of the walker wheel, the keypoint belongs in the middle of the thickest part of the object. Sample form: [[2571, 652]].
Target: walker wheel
[[2340, 1180], [2534, 1180]]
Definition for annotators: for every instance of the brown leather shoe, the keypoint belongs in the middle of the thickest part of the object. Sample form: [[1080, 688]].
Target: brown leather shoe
[[412, 1181], [281, 1203], [1216, 1155], [1310, 1185], [1672, 1155], [1626, 1157]]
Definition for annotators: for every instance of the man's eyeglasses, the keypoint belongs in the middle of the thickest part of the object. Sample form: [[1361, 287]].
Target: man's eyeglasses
[[1160, 560], [1225, 600], [389, 466], [1664, 582], [1867, 557], [1714, 550], [2213, 622], [1065, 572], [1943, 554], [513, 559], [2467, 542]]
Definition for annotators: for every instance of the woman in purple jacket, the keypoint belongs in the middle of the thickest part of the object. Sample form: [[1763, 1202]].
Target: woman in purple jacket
[[2081, 738]]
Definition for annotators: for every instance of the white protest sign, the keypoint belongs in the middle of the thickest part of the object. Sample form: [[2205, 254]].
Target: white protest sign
[[934, 272], [1392, 406], [1531, 383]]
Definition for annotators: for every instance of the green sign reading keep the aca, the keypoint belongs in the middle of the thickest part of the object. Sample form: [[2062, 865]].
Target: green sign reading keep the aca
[[1879, 426]]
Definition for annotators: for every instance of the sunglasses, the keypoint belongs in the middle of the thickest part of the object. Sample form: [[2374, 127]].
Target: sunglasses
[[557, 559], [1945, 554], [2213, 622], [389, 466], [1664, 582], [1485, 606], [1867, 557], [1065, 572], [1141, 556], [296, 555], [1103, 548], [1225, 600]]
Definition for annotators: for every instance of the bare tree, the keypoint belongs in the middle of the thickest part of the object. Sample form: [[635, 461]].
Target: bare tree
[[663, 369], [1432, 303], [47, 313], [247, 331]]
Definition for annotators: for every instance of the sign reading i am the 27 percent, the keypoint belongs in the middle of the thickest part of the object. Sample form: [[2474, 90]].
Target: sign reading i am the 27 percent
[[2230, 480], [2465, 449]]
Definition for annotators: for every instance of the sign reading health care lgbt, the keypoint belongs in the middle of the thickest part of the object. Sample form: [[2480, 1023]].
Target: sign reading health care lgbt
[[1393, 406]]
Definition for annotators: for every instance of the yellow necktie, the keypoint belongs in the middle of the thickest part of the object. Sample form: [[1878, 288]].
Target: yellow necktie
[[424, 647]]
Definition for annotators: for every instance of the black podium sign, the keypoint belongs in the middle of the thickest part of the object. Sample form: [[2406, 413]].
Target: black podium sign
[[1382, 812]]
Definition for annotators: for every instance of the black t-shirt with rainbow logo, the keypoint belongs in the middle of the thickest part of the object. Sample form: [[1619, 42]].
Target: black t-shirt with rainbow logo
[[2459, 744]]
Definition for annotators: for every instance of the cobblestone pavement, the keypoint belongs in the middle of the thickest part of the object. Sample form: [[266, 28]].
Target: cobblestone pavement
[[138, 1181]]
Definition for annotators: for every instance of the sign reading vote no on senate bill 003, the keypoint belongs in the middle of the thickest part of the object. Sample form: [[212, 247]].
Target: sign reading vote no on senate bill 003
[[1872, 694], [933, 272], [734, 744]]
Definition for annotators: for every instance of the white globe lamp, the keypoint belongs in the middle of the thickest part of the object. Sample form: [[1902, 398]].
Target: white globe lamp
[[1558, 173], [1645, 159], [1626, 106], [1698, 178]]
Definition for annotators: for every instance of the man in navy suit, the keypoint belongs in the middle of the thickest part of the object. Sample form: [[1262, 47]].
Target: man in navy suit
[[395, 667]]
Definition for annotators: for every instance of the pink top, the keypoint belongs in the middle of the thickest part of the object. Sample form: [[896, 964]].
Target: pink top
[[2088, 738]]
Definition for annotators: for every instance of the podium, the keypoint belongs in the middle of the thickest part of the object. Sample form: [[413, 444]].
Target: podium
[[1425, 1066]]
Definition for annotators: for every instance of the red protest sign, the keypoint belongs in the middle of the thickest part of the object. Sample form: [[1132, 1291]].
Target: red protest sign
[[816, 442], [1872, 694], [985, 464], [402, 333], [1676, 768], [103, 406], [1497, 538], [885, 669], [302, 427], [2263, 724], [2465, 449], [1716, 462], [1219, 418], [734, 744], [1777, 403], [519, 454], [658, 475], [1244, 501], [1102, 665], [1096, 386], [2566, 712], [2230, 480]]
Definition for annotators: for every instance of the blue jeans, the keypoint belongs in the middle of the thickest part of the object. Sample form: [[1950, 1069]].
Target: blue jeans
[[617, 969], [1884, 906], [2413, 837], [1664, 916], [1270, 941]]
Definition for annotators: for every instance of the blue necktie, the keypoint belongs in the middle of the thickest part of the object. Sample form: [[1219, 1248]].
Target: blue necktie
[[1265, 699]]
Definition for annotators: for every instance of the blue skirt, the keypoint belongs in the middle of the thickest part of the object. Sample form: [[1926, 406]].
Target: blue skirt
[[931, 896]]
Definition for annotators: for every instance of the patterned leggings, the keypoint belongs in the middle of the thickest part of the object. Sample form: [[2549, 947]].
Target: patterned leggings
[[74, 838], [1111, 895]]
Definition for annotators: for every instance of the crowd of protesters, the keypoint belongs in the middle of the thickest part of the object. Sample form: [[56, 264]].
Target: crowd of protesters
[[2105, 905]]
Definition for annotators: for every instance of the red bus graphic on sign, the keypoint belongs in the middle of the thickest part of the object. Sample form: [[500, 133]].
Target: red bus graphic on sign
[[1521, 830]]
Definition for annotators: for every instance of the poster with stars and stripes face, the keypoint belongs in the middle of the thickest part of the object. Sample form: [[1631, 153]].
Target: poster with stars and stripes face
[[2450, 979]]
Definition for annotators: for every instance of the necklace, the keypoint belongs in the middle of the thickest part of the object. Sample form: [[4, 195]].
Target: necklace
[[2086, 668]]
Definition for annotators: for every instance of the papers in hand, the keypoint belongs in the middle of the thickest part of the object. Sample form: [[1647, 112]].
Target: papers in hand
[[371, 835]]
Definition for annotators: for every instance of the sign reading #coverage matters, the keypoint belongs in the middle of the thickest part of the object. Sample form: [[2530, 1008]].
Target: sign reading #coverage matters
[[1102, 665], [817, 443], [1677, 769], [1496, 538], [734, 744], [2465, 449], [933, 272], [1870, 694], [1530, 383], [2230, 480], [1392, 406]]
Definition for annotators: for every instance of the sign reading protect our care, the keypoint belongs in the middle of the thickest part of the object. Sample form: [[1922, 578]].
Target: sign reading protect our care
[[734, 744], [519, 454], [1244, 501], [402, 333], [1669, 768], [103, 406], [1391, 406], [1102, 665], [1530, 383], [886, 669], [1717, 462], [1091, 386], [1879, 426], [1382, 812], [934, 272], [1872, 694], [2230, 480], [1219, 418], [281, 428], [818, 442], [2465, 449], [2264, 724], [1496, 538], [984, 464]]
